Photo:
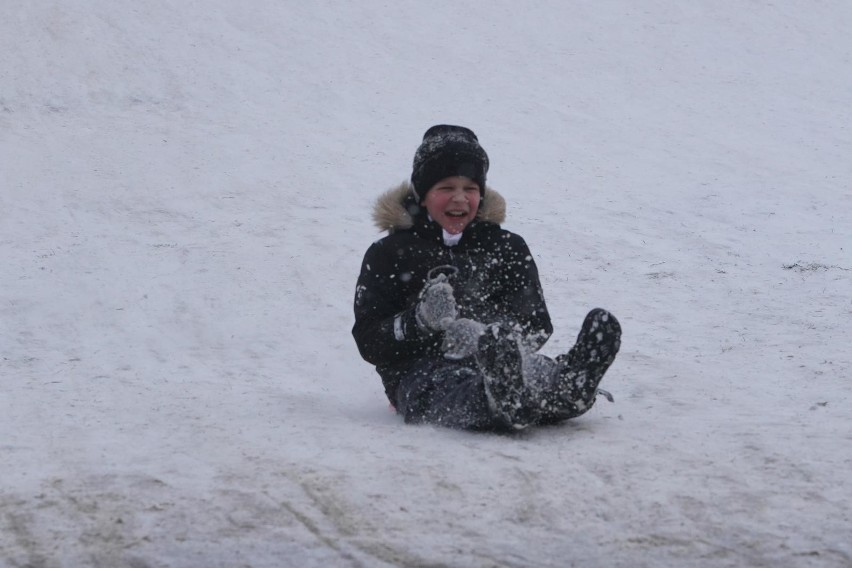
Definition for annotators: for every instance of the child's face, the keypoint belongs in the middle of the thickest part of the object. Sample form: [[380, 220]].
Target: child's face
[[453, 203]]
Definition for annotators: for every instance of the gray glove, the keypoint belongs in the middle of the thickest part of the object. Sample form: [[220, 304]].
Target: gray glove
[[437, 307], [461, 338]]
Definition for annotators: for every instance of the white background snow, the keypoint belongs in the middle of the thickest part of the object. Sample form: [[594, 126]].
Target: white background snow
[[185, 193]]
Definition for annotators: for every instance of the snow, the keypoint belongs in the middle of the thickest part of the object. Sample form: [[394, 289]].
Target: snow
[[185, 199]]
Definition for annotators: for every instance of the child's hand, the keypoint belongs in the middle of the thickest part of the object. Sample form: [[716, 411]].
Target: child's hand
[[437, 307], [461, 338]]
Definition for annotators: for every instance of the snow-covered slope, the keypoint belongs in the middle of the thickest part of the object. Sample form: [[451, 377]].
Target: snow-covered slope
[[184, 201]]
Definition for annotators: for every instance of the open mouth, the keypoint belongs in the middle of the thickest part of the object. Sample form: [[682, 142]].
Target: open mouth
[[456, 213]]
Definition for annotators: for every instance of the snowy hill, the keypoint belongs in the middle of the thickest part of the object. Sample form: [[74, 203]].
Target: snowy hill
[[184, 203]]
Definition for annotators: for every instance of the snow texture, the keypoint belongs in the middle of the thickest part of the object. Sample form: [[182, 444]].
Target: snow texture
[[185, 198]]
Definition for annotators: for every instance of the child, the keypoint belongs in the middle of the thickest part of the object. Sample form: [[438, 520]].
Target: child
[[449, 306]]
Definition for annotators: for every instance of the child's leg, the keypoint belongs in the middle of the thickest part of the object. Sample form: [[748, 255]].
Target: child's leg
[[579, 372], [444, 393], [502, 365]]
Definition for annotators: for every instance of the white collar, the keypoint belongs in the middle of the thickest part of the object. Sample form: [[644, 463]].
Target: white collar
[[451, 240]]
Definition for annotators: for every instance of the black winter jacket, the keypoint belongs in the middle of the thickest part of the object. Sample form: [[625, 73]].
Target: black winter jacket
[[497, 281]]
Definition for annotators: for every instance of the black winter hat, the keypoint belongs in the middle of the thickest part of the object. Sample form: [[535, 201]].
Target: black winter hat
[[447, 151]]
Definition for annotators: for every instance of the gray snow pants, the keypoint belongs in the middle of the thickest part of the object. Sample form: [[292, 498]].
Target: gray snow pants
[[453, 393]]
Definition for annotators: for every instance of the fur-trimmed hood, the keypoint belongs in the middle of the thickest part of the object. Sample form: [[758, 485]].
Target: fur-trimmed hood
[[391, 211]]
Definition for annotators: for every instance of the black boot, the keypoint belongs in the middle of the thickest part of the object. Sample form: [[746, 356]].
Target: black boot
[[579, 372], [499, 359]]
